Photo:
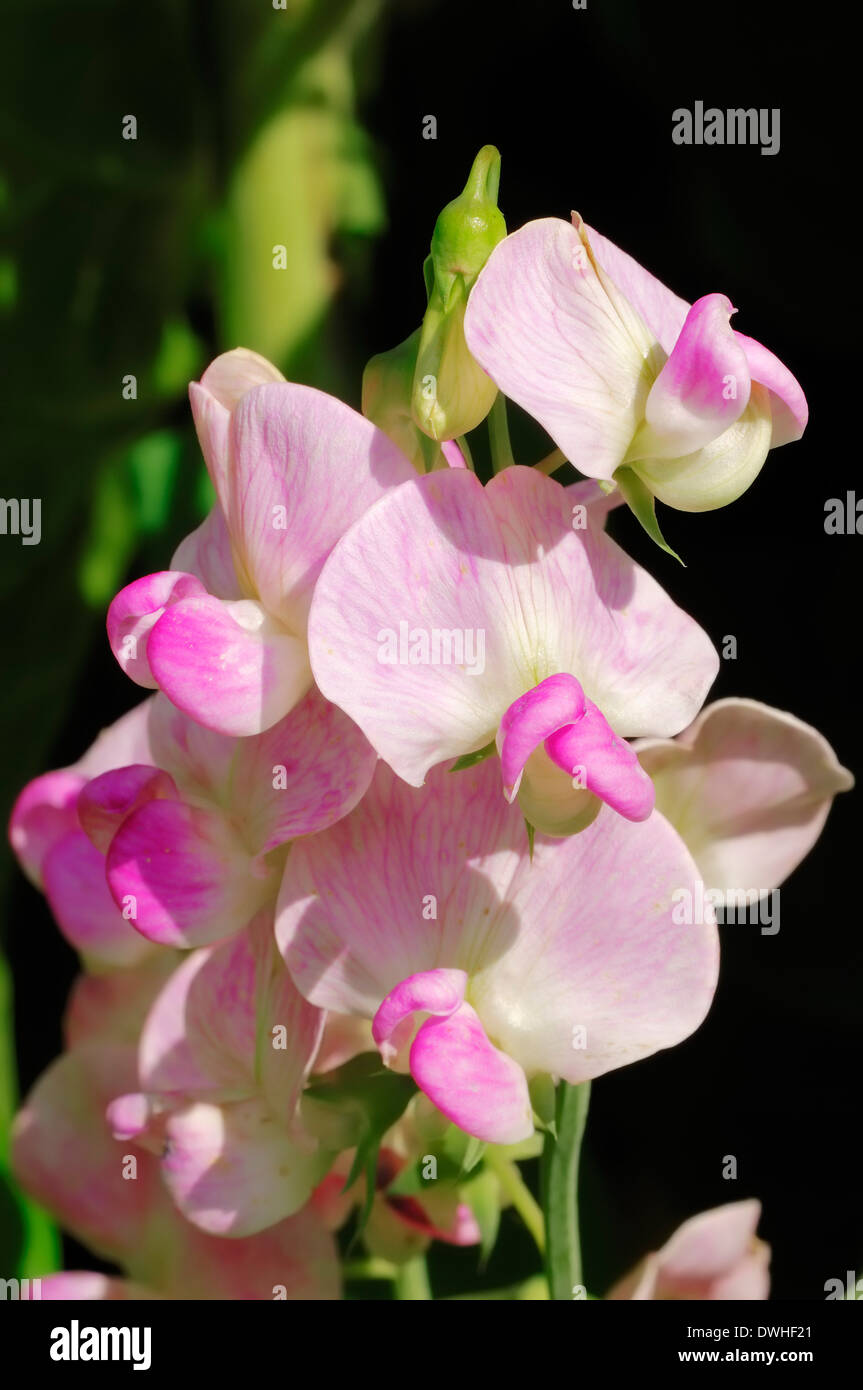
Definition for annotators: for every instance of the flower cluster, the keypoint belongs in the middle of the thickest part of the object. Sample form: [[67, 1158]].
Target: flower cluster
[[399, 839]]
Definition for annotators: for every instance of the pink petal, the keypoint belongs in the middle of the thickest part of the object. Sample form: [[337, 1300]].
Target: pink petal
[[80, 1286], [105, 801], [233, 1169], [291, 446], [221, 388], [432, 992], [441, 880], [703, 387], [665, 314], [749, 788], [555, 336], [243, 984], [663, 311], [502, 568], [553, 704], [45, 811], [135, 611], [64, 1155], [227, 665], [611, 767], [476, 1085], [111, 1007], [87, 915], [301, 775], [787, 402], [180, 877], [206, 553]]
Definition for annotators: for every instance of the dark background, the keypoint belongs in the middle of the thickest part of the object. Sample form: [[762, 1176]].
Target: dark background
[[579, 104]]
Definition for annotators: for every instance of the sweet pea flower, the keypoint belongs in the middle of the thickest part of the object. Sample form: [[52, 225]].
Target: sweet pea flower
[[223, 632], [482, 969], [714, 1256], [748, 788], [222, 1061], [65, 1157], [179, 832], [621, 371], [58, 857], [454, 616]]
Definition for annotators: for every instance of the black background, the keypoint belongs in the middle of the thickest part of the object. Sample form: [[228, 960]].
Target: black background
[[579, 104]]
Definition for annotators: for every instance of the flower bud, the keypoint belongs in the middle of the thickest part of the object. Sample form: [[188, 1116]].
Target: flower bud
[[451, 393]]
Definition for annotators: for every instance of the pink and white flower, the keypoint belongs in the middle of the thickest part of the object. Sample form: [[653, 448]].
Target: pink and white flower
[[621, 371], [714, 1256], [482, 969], [222, 1061], [223, 632], [748, 788], [582, 649]]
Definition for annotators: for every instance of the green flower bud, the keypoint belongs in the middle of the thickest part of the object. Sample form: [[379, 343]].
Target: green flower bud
[[387, 386], [451, 393], [469, 228]]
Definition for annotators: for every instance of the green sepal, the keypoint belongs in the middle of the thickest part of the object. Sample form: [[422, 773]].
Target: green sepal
[[642, 504], [471, 759]]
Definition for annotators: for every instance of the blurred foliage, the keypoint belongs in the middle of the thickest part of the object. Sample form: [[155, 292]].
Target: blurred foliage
[[143, 258]]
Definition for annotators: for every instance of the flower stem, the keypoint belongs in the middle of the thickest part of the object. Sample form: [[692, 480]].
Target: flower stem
[[559, 1185], [412, 1280], [498, 436], [509, 1176], [551, 462]]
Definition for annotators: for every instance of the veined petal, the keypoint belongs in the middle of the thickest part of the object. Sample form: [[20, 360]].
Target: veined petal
[[228, 665], [511, 594], [180, 877], [748, 788], [291, 447], [576, 964], [555, 336], [233, 1170], [301, 775], [265, 1035], [206, 553]]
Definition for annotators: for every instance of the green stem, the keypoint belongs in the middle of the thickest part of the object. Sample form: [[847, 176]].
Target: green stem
[[551, 462], [412, 1281], [559, 1185], [509, 1176], [461, 441], [498, 436]]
